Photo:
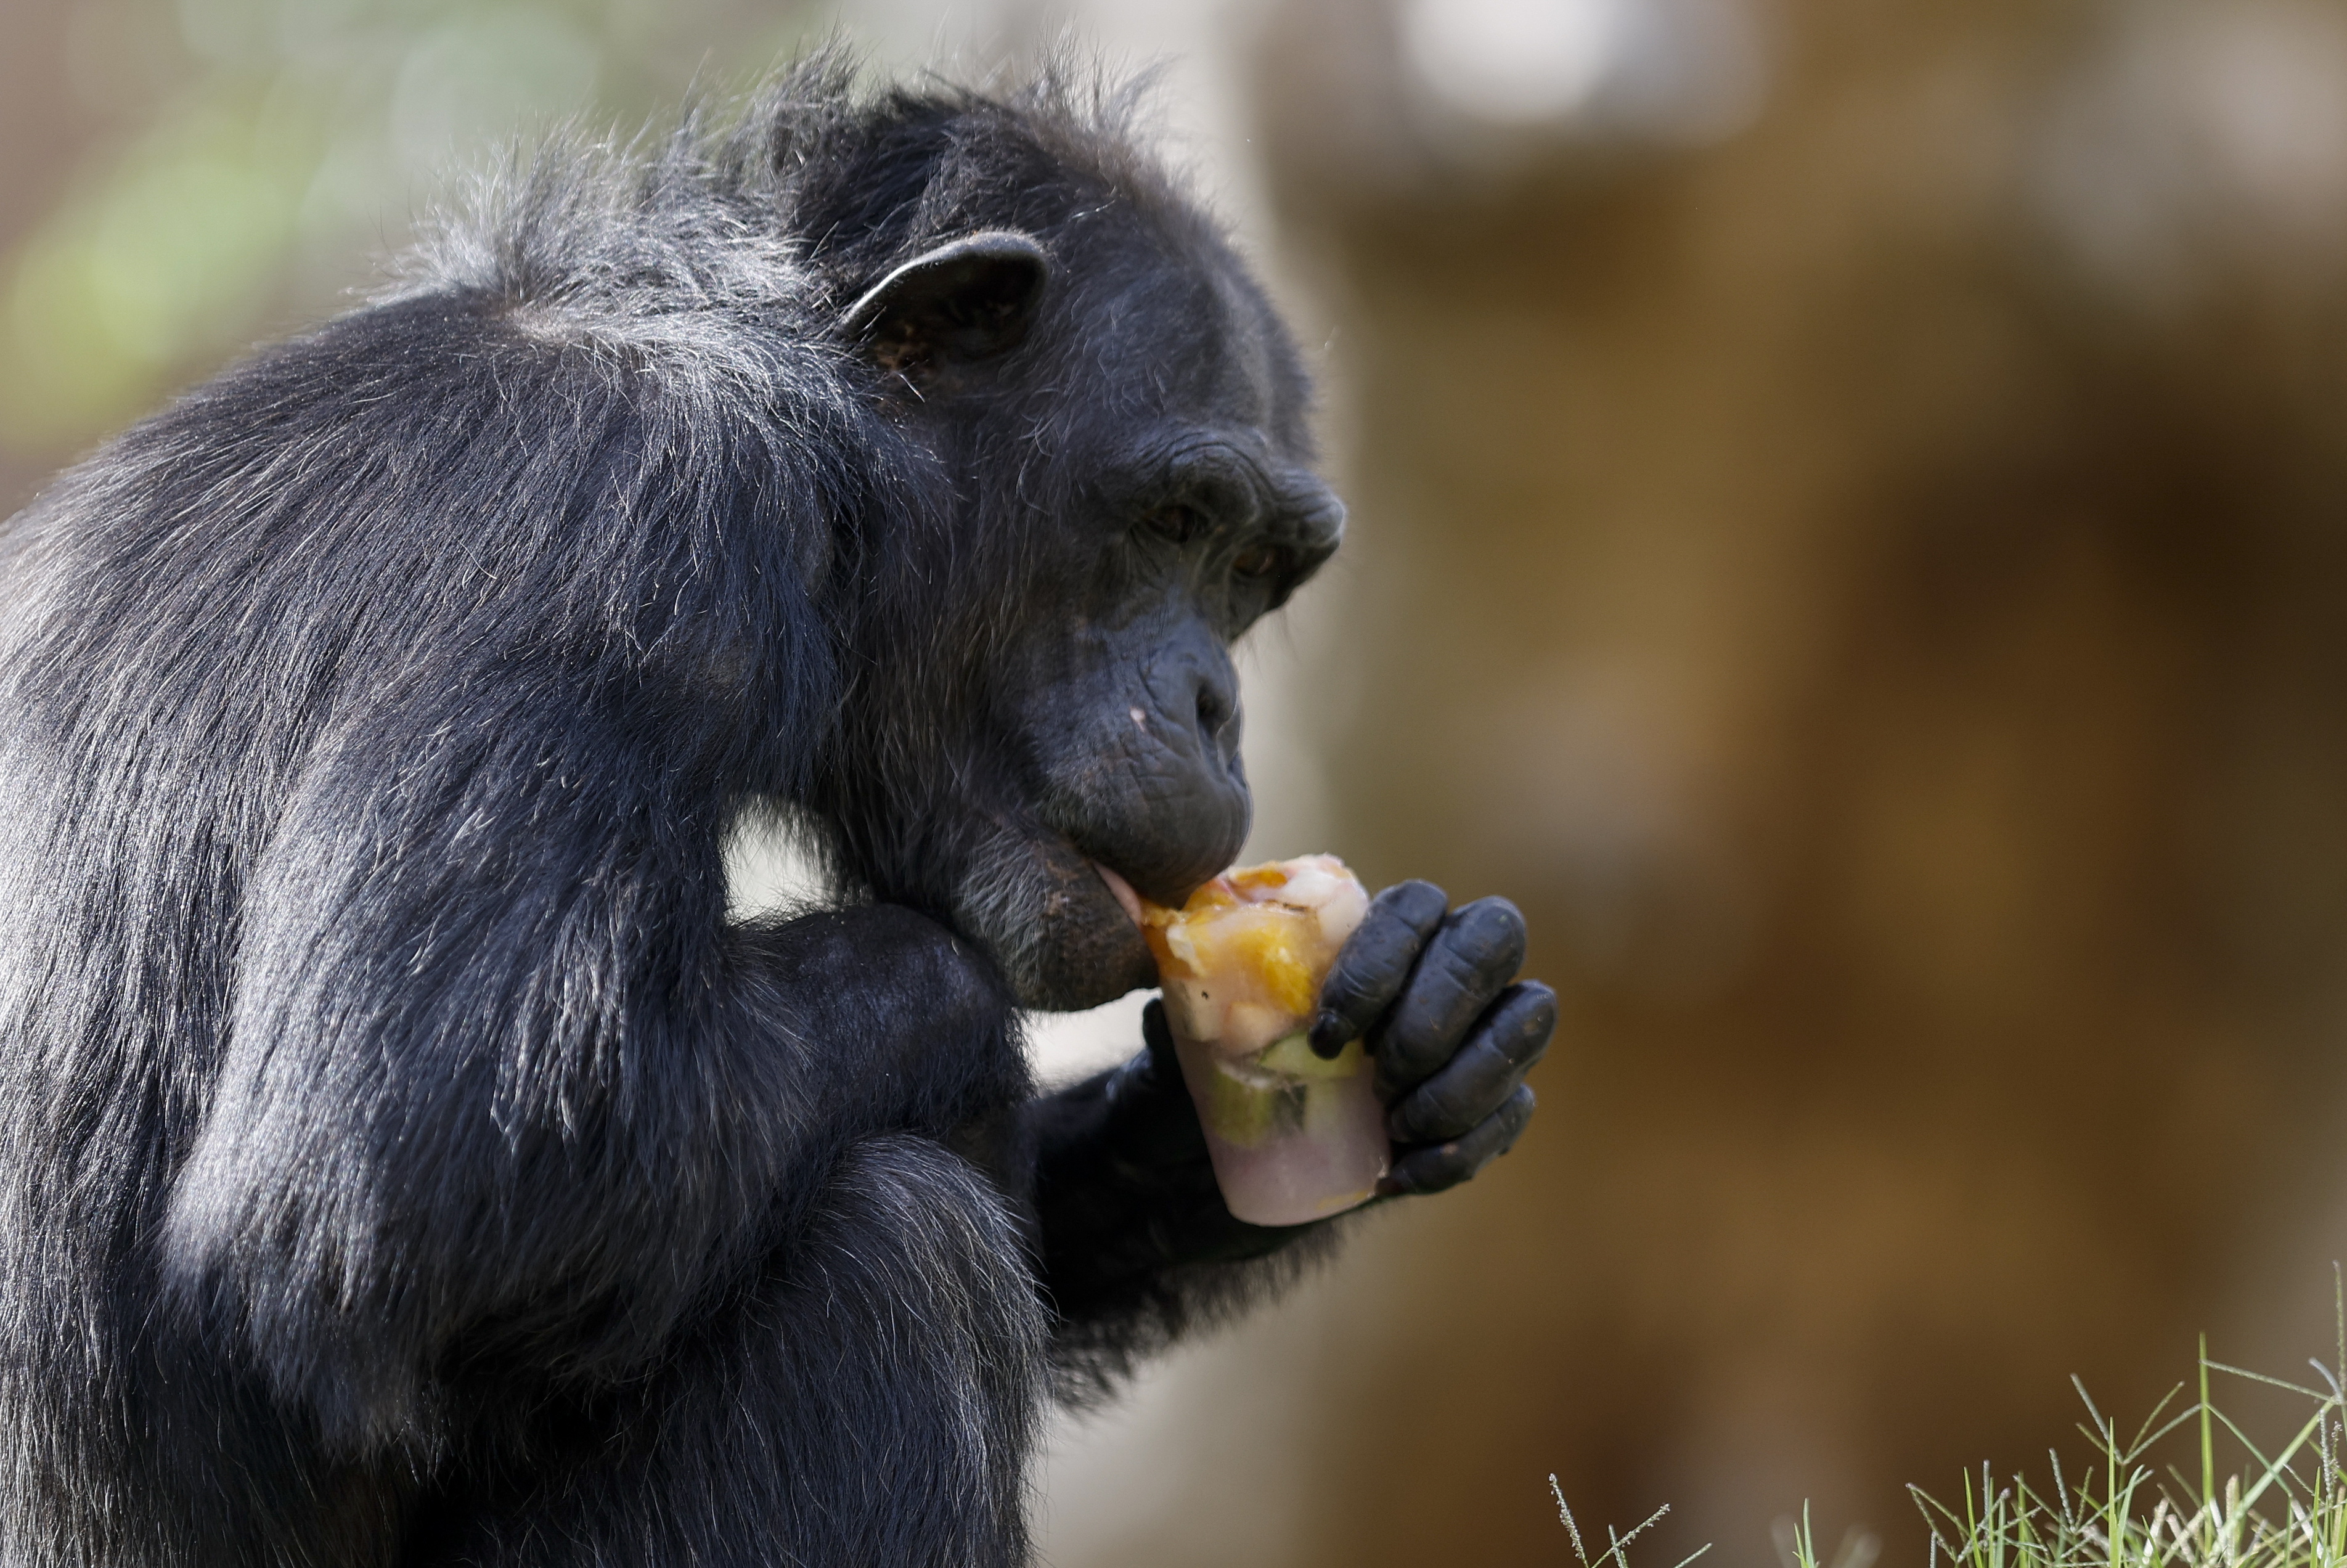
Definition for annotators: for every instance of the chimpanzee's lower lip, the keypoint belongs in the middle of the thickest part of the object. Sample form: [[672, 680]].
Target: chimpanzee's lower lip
[[1126, 898]]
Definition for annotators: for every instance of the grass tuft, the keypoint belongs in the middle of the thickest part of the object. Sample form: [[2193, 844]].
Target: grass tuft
[[1618, 1548], [2287, 1509]]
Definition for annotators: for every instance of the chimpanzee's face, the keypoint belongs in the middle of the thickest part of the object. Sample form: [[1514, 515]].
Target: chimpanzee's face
[[1134, 492]]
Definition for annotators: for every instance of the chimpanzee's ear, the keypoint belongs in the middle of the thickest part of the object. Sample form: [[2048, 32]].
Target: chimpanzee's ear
[[965, 300]]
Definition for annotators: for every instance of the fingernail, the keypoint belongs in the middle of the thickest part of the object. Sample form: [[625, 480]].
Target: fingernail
[[1327, 1036]]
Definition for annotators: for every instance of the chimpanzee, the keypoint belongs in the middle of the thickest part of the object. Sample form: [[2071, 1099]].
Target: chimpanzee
[[404, 1157]]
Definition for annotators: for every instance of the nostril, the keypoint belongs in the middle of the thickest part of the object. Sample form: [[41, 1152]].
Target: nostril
[[1213, 711]]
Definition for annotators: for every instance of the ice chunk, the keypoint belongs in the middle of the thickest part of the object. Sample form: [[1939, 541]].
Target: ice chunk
[[1294, 1137]]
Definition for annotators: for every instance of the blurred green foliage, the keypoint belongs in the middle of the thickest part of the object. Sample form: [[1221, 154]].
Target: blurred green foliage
[[270, 146]]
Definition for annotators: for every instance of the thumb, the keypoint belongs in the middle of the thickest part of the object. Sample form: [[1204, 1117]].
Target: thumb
[[1158, 1036], [1153, 1072]]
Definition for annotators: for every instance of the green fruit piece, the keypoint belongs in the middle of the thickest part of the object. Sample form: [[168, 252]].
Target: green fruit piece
[[1251, 1099], [1293, 1057], [1237, 1111]]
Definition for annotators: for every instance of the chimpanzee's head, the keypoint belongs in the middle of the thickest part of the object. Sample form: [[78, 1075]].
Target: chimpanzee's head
[[1108, 425]]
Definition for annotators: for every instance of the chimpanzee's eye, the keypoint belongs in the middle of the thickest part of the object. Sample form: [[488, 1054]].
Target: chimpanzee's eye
[[1264, 560], [1176, 520]]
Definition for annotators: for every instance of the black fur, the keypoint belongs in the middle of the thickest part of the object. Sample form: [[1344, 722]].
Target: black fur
[[402, 1157], [405, 1158]]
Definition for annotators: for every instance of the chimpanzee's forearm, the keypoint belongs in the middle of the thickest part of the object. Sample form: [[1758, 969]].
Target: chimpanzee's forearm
[[1134, 1243], [656, 1098]]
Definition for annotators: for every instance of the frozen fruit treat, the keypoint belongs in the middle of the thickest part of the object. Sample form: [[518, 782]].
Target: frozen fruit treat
[[1294, 1137]]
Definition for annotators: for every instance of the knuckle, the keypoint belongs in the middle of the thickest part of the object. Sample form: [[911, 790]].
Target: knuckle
[[1344, 989], [1432, 1170], [1387, 954], [1376, 953], [1455, 964], [1411, 890], [1497, 915], [1481, 1078], [1429, 1114], [1410, 1054], [1506, 907], [1488, 946], [1416, 904], [1354, 1004]]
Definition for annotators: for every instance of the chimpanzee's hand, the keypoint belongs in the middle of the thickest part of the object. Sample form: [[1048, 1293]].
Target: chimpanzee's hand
[[1429, 987]]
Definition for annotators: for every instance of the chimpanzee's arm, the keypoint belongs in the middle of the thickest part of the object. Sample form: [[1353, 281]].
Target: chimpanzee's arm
[[504, 1089], [498, 628], [1136, 1247]]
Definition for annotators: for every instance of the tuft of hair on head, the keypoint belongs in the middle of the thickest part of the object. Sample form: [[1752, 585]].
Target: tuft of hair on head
[[577, 207], [766, 213]]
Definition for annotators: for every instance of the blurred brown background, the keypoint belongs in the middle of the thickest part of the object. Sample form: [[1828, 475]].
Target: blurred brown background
[[1850, 503], [1851, 533]]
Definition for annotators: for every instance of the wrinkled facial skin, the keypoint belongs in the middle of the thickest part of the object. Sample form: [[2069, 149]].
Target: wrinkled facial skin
[[1120, 524], [1129, 713]]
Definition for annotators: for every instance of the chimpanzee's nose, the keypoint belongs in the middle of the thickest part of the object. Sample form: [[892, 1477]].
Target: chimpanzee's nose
[[1218, 715], [1186, 762]]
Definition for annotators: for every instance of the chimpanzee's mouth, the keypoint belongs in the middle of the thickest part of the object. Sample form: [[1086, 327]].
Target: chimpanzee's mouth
[[1126, 898]]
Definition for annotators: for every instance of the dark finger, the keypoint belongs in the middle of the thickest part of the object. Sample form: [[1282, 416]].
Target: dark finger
[[1507, 1040], [1155, 1071], [1158, 1036], [1431, 1167], [1154, 1125], [1376, 963], [1465, 965]]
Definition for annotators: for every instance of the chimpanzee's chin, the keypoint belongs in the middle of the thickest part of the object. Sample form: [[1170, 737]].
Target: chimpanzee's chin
[[1087, 950], [1088, 968]]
